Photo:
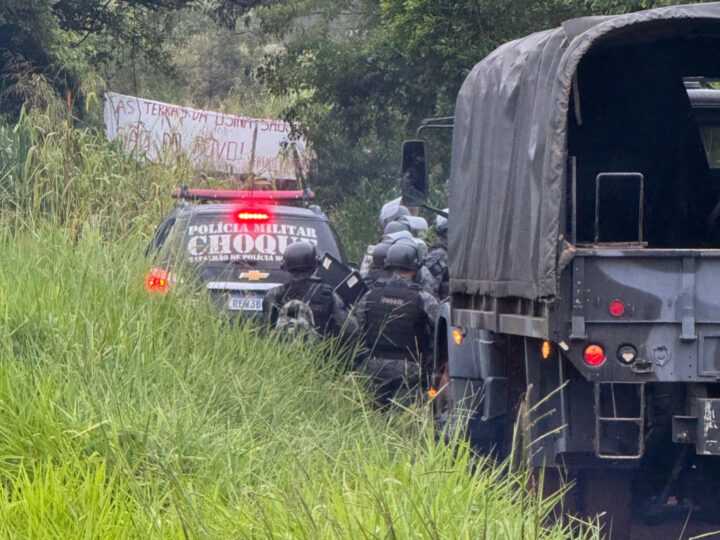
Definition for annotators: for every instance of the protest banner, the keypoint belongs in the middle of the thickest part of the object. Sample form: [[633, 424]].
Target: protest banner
[[213, 142]]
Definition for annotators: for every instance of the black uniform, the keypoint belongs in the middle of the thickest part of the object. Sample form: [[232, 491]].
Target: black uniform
[[397, 317], [330, 315], [375, 275], [373, 269]]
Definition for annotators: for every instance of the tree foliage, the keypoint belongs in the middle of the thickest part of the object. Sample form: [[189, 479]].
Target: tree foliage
[[363, 77], [63, 41], [359, 75]]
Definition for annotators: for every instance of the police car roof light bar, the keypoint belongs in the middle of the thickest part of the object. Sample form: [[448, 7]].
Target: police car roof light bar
[[239, 195]]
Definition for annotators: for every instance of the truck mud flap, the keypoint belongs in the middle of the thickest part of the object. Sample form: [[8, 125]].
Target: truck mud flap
[[701, 427], [485, 399]]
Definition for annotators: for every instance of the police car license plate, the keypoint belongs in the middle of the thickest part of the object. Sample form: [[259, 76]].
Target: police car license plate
[[241, 302]]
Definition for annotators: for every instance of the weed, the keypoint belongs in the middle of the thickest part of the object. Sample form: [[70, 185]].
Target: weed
[[124, 414]]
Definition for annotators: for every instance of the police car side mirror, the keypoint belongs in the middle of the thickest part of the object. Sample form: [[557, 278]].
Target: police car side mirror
[[414, 174]]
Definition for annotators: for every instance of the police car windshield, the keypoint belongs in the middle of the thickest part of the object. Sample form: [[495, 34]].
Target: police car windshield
[[216, 239]]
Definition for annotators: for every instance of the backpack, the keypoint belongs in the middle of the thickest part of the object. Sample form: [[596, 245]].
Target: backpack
[[317, 296], [296, 318]]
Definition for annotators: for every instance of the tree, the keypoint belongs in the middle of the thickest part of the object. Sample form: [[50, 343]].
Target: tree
[[61, 41], [362, 75]]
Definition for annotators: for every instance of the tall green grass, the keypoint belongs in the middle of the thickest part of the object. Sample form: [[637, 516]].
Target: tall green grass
[[129, 415], [53, 172]]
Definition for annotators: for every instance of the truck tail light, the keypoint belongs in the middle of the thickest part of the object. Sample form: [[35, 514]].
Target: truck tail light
[[457, 336], [617, 308], [157, 280], [594, 355]]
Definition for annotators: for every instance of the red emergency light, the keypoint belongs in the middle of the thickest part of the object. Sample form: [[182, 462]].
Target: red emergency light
[[251, 215], [298, 195], [245, 215]]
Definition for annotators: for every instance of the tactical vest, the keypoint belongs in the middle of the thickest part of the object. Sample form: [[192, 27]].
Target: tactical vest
[[377, 274], [318, 295], [394, 320]]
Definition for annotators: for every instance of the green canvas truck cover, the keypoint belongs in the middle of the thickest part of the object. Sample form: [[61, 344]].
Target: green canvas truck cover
[[509, 158]]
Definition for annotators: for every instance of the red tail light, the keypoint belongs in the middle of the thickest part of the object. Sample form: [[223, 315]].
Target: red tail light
[[617, 308], [594, 355], [157, 280]]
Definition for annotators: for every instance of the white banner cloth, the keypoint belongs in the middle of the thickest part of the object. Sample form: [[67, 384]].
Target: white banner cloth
[[212, 141]]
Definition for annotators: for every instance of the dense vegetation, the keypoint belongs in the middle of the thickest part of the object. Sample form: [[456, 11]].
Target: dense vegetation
[[124, 415], [127, 415], [358, 74]]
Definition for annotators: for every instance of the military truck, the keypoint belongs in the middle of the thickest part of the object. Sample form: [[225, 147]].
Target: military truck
[[584, 253]]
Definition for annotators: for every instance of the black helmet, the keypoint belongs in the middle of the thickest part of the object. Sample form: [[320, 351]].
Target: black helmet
[[407, 238], [403, 256], [300, 256], [379, 253], [394, 237]]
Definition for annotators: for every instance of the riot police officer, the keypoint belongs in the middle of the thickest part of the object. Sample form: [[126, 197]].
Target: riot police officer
[[437, 257], [390, 213], [305, 300], [377, 270], [423, 277], [398, 231], [398, 319]]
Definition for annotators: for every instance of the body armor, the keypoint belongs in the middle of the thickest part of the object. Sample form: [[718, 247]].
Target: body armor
[[377, 274], [394, 320]]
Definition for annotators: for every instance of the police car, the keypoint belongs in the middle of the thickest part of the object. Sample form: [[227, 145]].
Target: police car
[[232, 243]]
